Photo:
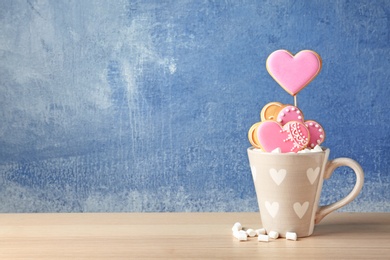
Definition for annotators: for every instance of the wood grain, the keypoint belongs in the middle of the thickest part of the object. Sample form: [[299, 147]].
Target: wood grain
[[184, 235]]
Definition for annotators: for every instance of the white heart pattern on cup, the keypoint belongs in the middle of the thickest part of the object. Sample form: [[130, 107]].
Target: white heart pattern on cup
[[312, 174], [253, 169], [277, 176], [300, 209], [272, 208]]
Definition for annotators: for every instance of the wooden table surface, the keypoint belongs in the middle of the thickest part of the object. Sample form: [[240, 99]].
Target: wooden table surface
[[185, 235]]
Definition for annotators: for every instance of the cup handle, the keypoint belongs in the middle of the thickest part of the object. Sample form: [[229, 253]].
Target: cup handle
[[329, 169]]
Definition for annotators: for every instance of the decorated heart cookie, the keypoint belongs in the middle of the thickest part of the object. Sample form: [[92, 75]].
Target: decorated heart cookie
[[291, 113], [291, 137], [293, 73], [282, 127]]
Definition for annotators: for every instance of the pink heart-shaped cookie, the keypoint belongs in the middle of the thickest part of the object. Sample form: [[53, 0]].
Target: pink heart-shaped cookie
[[293, 73], [291, 137], [292, 113]]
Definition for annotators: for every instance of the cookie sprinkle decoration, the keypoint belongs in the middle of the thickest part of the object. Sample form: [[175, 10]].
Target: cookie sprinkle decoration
[[299, 139]]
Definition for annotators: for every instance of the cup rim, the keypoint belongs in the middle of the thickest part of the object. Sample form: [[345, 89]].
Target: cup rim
[[253, 149]]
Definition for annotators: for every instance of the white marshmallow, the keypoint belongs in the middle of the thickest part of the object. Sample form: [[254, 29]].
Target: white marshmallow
[[276, 150], [291, 236], [317, 148], [260, 231], [240, 235], [273, 234], [258, 150], [237, 226], [263, 238], [250, 232], [304, 151]]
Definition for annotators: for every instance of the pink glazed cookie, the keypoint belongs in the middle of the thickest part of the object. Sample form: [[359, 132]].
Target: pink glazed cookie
[[289, 113], [292, 113], [293, 72], [317, 133], [291, 137]]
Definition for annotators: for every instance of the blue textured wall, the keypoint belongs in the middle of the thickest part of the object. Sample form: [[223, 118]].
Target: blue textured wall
[[145, 105]]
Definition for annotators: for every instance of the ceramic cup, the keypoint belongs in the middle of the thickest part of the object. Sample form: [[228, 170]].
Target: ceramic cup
[[288, 188]]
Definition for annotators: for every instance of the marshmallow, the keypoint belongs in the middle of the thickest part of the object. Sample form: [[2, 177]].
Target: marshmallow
[[273, 234], [304, 151], [291, 236], [263, 238], [240, 235], [277, 150], [237, 226], [260, 231], [250, 232], [317, 148], [257, 150]]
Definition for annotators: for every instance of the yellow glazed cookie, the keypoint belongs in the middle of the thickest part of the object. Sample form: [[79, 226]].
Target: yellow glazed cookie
[[271, 111]]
